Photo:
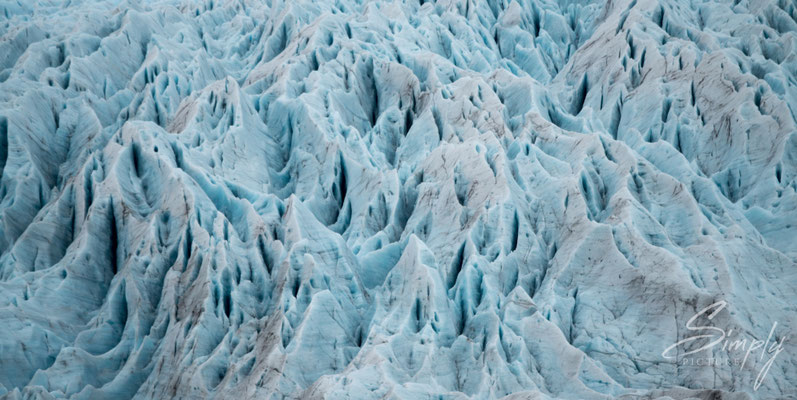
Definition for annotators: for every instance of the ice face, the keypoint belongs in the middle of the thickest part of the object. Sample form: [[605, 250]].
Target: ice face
[[408, 199]]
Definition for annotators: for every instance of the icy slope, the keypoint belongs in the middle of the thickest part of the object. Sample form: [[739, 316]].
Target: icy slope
[[411, 199]]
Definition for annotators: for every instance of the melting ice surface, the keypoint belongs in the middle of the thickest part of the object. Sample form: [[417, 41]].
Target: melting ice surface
[[406, 199]]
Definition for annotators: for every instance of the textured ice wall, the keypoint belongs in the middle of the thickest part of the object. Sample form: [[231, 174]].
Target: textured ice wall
[[267, 199]]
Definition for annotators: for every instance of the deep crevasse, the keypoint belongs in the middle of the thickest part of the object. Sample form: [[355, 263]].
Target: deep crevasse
[[267, 199]]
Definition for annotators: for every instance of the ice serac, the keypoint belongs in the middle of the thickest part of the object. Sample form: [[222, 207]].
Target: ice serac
[[406, 199]]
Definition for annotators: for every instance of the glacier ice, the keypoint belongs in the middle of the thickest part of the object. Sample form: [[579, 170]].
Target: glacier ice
[[404, 199]]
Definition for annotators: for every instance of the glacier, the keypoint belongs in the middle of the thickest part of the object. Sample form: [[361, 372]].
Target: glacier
[[454, 199]]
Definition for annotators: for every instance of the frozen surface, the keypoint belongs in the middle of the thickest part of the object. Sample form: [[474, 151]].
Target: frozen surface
[[417, 199]]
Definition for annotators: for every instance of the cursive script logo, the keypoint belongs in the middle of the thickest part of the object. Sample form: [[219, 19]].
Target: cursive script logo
[[708, 337]]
